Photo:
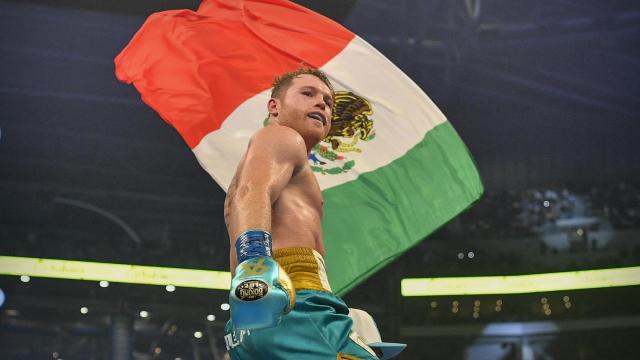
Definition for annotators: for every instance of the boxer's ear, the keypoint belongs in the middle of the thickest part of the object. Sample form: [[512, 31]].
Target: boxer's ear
[[273, 106]]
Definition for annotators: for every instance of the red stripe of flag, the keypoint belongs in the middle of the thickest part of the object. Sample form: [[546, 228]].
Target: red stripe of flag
[[195, 68]]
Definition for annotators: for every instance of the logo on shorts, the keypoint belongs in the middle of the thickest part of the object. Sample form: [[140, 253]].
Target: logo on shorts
[[350, 124], [234, 338], [250, 290]]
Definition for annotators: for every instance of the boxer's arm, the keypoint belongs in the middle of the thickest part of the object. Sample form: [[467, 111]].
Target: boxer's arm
[[275, 153]]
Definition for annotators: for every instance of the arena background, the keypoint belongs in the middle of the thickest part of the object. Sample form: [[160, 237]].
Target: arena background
[[545, 94]]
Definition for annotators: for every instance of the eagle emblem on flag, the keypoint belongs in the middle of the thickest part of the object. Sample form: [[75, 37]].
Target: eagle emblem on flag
[[350, 124]]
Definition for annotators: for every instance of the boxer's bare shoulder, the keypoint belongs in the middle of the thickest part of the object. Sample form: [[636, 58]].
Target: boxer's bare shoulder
[[283, 140], [275, 165], [269, 148]]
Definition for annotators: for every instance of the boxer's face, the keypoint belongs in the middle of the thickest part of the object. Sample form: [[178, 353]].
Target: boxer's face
[[305, 107]]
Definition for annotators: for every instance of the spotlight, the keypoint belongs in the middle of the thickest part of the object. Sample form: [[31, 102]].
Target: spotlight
[[144, 314], [25, 278], [460, 255], [225, 306], [104, 284], [197, 334], [471, 255], [170, 288], [211, 317], [84, 310]]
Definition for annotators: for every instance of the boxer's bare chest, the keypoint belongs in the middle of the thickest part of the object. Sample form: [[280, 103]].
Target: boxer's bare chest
[[297, 213]]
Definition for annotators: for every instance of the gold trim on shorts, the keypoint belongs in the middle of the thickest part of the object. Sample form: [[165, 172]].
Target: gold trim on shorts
[[305, 267], [341, 356]]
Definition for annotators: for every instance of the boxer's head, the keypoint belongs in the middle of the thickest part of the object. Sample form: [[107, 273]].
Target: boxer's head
[[303, 101]]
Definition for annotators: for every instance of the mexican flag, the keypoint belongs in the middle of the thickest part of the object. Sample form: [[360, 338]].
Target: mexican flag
[[393, 168]]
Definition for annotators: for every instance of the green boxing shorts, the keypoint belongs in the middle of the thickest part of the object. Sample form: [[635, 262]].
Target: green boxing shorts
[[318, 327]]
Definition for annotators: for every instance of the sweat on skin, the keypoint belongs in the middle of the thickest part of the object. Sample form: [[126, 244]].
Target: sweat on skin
[[274, 188]]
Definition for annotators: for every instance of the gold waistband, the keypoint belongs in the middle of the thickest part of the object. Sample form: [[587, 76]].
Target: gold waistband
[[305, 268]]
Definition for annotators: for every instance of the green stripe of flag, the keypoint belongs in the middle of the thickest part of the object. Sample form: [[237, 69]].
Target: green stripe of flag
[[394, 207]]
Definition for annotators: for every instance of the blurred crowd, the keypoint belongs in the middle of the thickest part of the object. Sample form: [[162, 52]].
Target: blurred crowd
[[520, 213], [619, 203]]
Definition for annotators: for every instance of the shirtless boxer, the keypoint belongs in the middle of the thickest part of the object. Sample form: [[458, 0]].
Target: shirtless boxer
[[282, 306]]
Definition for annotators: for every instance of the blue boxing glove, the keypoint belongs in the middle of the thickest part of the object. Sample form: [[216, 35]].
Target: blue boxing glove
[[261, 291]]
